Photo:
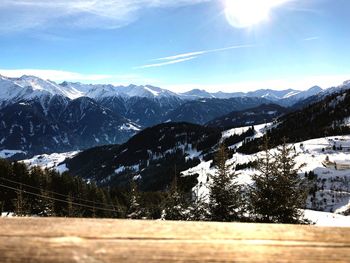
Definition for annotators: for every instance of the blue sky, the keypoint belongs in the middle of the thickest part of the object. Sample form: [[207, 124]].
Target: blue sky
[[228, 45]]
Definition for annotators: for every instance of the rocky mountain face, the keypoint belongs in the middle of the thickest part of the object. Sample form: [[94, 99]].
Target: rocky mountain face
[[61, 125]]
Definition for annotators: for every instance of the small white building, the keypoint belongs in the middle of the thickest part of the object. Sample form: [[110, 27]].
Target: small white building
[[337, 165], [339, 143]]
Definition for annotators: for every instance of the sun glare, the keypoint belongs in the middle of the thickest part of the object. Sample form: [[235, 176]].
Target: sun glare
[[246, 13]]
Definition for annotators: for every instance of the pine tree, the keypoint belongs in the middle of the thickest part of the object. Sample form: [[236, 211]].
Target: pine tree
[[278, 192], [261, 194], [224, 194], [290, 187], [198, 209], [174, 207], [135, 209]]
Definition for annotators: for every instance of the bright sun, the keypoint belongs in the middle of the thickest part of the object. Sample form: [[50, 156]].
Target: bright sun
[[246, 13]]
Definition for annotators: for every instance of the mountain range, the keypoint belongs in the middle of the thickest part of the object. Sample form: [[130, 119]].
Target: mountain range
[[29, 87], [40, 116]]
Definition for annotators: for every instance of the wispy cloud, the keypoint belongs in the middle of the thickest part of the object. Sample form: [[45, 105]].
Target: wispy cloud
[[18, 15], [311, 38], [188, 56], [166, 63], [202, 52]]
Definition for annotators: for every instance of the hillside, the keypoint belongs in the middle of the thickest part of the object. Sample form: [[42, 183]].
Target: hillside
[[329, 187], [60, 125], [327, 117], [153, 156], [257, 115], [203, 110]]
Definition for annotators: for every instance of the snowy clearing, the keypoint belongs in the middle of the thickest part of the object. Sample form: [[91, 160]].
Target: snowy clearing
[[50, 161]]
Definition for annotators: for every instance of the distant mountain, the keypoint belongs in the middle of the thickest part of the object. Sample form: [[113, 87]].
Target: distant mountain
[[144, 111], [327, 117], [198, 94], [321, 95], [102, 91], [30, 87], [203, 110], [258, 115], [283, 97], [58, 124]]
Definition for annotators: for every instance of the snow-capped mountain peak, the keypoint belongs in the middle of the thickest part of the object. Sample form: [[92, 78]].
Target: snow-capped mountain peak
[[29, 87]]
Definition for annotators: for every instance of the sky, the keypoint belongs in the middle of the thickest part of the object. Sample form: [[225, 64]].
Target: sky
[[216, 45]]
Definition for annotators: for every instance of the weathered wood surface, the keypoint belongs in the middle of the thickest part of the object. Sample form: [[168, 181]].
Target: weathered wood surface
[[95, 240]]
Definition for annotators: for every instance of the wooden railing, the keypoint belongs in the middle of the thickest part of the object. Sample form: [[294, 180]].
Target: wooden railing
[[96, 240]]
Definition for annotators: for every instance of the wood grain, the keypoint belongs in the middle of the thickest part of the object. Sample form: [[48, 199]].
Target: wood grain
[[96, 240]]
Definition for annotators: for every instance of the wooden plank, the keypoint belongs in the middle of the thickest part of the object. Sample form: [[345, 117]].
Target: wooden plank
[[97, 240]]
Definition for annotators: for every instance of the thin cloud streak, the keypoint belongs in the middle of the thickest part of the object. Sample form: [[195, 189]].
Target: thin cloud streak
[[202, 52], [311, 38], [189, 56], [166, 63]]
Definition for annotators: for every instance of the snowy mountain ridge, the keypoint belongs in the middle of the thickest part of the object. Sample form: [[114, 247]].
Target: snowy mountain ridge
[[29, 87]]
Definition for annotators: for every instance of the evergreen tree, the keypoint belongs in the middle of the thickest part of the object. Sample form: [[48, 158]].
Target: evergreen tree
[[290, 187], [198, 210], [174, 207], [135, 209], [261, 194], [277, 193], [224, 194]]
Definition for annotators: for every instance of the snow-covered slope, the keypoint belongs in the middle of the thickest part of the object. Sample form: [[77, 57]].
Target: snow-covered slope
[[320, 218], [50, 161], [100, 91], [30, 87], [331, 182]]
